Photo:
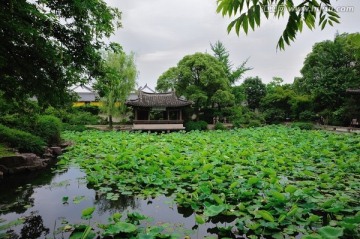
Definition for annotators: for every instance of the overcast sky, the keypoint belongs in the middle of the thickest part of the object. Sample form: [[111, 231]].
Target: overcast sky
[[162, 32]]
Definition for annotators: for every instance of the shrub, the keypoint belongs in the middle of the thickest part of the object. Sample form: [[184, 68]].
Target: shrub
[[92, 109], [77, 128], [254, 123], [23, 141], [82, 118], [243, 118], [302, 125], [48, 127], [196, 125], [73, 116], [307, 116], [22, 122], [274, 116], [220, 126]]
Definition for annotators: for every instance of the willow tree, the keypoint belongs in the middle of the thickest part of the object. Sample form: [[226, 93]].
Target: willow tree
[[118, 81]]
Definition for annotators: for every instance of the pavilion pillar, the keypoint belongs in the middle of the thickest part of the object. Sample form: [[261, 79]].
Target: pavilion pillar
[[135, 114], [180, 114], [168, 114]]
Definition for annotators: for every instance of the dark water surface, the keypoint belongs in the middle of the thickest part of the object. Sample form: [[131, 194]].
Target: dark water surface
[[38, 198]]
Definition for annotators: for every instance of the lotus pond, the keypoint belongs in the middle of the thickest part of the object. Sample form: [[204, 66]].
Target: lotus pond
[[271, 182]]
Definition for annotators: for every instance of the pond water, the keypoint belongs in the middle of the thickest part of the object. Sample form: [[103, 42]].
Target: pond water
[[39, 200]]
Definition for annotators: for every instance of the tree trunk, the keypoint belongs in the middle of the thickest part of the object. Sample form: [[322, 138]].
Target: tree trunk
[[110, 122]]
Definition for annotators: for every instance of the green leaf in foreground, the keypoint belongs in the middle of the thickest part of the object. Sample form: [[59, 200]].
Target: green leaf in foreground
[[331, 232]]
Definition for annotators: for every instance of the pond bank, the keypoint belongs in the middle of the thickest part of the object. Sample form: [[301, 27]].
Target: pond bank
[[17, 163]]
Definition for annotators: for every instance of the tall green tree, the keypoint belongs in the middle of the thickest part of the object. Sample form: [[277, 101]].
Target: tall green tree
[[117, 83], [197, 77], [223, 98], [255, 90], [167, 81], [274, 84], [239, 94], [247, 14], [222, 54], [47, 46], [330, 69]]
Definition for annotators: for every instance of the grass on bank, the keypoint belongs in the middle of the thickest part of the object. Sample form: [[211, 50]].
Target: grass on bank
[[5, 151]]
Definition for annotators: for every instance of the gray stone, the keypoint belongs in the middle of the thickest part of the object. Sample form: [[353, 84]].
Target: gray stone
[[4, 169], [13, 161], [56, 151], [65, 144], [21, 163]]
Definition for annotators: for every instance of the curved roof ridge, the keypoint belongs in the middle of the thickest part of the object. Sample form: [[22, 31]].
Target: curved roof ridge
[[166, 99]]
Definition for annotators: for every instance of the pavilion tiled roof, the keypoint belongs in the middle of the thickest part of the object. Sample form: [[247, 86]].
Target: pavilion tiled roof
[[146, 99]]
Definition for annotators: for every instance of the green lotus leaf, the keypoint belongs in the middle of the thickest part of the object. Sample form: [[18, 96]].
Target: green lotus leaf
[[266, 215], [331, 232], [119, 227], [290, 189], [214, 210], [87, 212], [199, 219], [312, 236]]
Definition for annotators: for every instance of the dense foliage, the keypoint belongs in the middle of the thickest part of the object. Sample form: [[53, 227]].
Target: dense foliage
[[51, 45], [273, 181], [329, 70], [254, 91], [48, 127], [196, 125], [23, 141], [199, 77]]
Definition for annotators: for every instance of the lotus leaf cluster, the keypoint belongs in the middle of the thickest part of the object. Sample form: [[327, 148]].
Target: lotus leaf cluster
[[275, 181]]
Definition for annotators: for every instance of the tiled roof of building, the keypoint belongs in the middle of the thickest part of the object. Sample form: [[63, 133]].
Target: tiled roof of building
[[85, 93], [87, 96], [146, 99]]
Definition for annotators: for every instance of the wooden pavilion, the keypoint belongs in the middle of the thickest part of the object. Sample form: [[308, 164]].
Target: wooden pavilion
[[157, 111]]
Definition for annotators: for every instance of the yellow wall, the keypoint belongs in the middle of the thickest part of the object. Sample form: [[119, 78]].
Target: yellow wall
[[94, 103]]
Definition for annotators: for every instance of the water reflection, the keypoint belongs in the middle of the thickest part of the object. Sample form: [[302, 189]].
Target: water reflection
[[33, 227], [42, 205], [106, 206], [16, 190]]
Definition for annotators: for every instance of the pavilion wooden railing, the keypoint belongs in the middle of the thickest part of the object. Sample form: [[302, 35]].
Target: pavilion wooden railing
[[158, 121]]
